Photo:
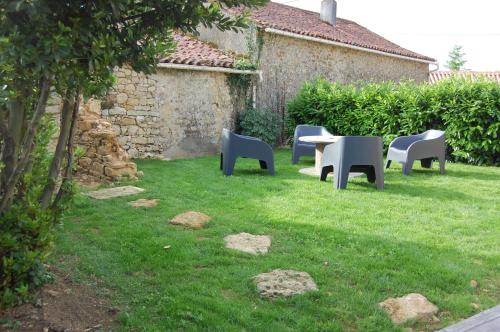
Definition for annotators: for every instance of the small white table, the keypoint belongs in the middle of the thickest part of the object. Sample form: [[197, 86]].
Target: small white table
[[321, 142]]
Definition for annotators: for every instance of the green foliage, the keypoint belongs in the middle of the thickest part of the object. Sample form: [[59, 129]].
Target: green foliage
[[25, 230], [239, 84], [74, 47], [81, 42], [263, 124], [469, 112], [244, 64], [456, 58]]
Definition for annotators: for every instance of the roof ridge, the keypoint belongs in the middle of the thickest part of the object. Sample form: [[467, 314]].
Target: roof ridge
[[468, 71], [308, 23]]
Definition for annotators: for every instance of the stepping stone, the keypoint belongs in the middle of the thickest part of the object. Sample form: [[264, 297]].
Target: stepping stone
[[486, 321], [252, 244], [284, 283], [191, 219], [144, 203], [114, 192], [412, 307]]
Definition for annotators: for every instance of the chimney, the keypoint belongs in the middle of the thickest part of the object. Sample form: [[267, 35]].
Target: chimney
[[328, 12]]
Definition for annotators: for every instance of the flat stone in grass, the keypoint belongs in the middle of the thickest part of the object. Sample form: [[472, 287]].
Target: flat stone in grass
[[114, 192], [191, 219], [144, 203], [411, 307], [252, 244], [284, 283]]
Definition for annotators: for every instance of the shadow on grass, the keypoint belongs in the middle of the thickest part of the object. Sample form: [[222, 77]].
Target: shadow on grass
[[250, 171], [427, 191], [470, 174]]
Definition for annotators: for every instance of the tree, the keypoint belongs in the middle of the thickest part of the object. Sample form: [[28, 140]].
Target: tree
[[456, 58], [70, 46]]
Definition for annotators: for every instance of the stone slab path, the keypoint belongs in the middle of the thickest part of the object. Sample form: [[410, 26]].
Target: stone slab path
[[411, 307], [115, 192], [144, 203], [191, 219], [249, 243], [486, 321], [284, 283]]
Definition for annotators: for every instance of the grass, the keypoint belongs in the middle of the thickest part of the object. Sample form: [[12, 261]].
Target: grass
[[426, 233]]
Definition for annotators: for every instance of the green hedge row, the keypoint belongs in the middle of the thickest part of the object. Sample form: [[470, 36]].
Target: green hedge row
[[467, 110]]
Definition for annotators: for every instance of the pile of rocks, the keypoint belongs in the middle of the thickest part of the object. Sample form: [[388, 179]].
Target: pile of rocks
[[105, 159]]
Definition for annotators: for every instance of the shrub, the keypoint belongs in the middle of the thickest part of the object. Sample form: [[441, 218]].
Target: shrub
[[467, 110], [25, 231], [263, 124]]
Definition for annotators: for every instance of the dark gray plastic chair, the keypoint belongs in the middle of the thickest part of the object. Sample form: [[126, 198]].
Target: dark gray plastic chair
[[354, 154], [303, 148], [424, 147], [234, 146]]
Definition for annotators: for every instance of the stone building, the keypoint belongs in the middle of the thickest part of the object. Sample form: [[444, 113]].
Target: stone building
[[180, 111], [293, 45]]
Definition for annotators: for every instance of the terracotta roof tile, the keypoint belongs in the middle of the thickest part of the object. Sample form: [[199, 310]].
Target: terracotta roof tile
[[308, 23], [191, 51], [441, 75]]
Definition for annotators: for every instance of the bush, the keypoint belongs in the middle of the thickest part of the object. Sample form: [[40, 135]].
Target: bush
[[467, 110], [26, 230], [263, 124]]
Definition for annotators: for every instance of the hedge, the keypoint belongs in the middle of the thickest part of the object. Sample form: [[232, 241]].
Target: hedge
[[467, 110], [260, 123]]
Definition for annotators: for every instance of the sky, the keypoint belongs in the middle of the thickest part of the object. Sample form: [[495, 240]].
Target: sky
[[429, 27]]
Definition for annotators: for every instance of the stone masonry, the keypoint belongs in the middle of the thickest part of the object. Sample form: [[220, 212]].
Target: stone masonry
[[170, 114], [287, 62], [131, 108]]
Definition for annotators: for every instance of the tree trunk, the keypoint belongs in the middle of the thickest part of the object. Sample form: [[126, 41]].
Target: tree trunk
[[68, 171], [12, 138], [10, 180], [55, 167], [10, 149]]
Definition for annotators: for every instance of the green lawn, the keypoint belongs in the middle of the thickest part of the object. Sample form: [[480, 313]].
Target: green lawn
[[426, 233]]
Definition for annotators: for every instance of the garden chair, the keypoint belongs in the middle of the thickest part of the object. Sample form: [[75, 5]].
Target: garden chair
[[354, 154], [424, 147], [234, 146], [303, 148]]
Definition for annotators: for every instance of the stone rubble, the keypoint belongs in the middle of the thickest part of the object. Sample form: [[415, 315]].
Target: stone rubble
[[105, 160]]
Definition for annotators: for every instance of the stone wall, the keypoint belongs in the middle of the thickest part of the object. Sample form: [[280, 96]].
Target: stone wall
[[287, 62], [228, 40], [170, 114]]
